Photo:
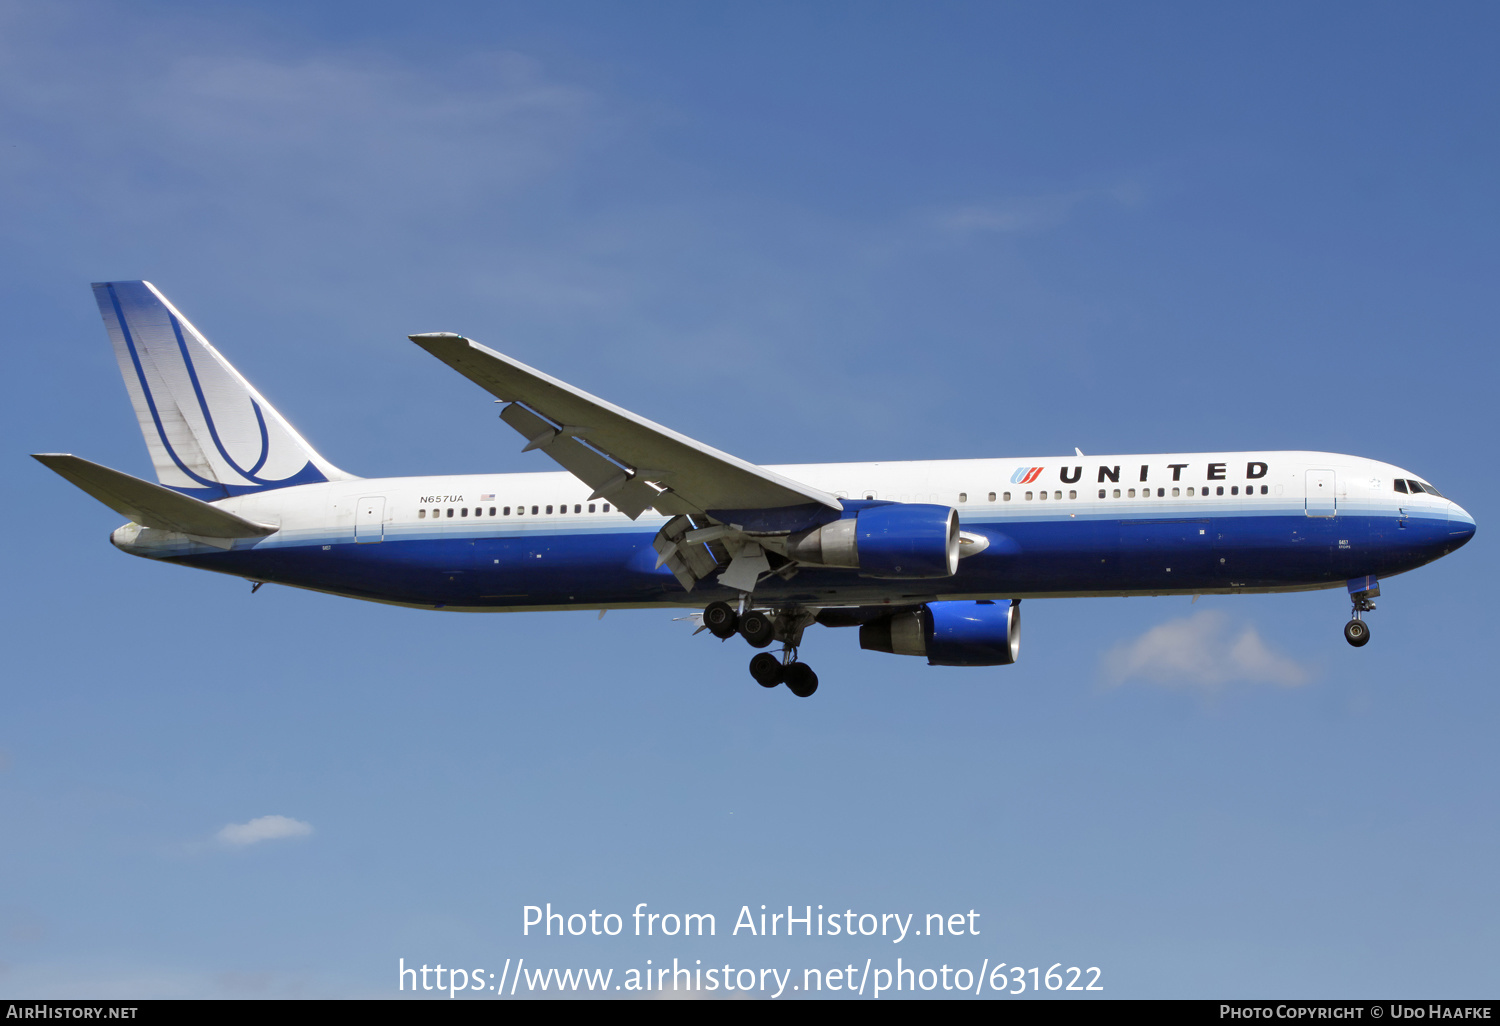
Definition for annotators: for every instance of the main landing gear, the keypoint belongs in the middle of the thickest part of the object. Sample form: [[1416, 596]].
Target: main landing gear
[[760, 628], [770, 671]]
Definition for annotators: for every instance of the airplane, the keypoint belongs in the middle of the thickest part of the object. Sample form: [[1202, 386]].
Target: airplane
[[926, 558]]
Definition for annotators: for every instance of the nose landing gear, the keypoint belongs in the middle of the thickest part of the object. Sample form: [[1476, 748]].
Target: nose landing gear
[[1356, 632], [1361, 591]]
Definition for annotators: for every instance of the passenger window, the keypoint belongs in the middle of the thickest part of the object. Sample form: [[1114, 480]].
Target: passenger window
[[992, 496], [1117, 493], [421, 514], [1007, 496], [549, 510], [1101, 493], [963, 496], [591, 508], [1221, 490], [506, 511], [561, 509], [577, 507], [450, 512], [1190, 491], [1130, 493], [1072, 494], [463, 512], [1264, 489], [534, 509], [606, 507], [1161, 493], [1042, 496], [1028, 496], [869, 495], [1234, 490], [1057, 495]]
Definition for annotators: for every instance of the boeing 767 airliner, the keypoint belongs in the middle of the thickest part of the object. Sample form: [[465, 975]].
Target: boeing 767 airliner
[[927, 558]]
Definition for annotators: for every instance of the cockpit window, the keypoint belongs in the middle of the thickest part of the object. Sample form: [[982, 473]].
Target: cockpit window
[[1431, 490], [1415, 486], [1400, 486]]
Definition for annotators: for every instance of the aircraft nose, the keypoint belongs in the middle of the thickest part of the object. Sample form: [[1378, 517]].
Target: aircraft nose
[[1460, 524]]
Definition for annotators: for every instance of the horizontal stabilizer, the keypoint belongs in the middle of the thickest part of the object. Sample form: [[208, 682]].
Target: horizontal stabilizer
[[151, 505]]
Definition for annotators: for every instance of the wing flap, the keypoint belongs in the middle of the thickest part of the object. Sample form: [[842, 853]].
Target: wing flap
[[151, 505], [608, 479], [677, 474]]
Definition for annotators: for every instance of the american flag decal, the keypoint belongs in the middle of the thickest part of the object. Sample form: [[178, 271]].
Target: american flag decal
[[485, 498]]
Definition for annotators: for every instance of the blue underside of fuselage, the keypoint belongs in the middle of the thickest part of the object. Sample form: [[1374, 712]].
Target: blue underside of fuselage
[[589, 569]]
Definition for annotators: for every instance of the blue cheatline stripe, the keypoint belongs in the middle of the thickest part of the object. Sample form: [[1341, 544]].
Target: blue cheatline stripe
[[151, 400]]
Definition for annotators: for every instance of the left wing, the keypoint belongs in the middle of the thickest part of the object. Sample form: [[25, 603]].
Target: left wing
[[632, 462]]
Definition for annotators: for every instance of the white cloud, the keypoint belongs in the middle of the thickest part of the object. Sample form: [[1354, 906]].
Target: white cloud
[[1202, 650], [265, 828]]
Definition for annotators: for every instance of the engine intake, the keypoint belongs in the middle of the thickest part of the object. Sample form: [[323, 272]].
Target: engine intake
[[900, 540], [950, 633]]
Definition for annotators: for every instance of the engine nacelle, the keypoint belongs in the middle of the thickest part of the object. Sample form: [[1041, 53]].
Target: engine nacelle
[[951, 633], [902, 540]]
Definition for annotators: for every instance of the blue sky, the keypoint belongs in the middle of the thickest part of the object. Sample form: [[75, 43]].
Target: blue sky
[[800, 233]]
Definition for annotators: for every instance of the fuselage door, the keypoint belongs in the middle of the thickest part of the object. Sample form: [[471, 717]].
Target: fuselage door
[[1321, 501], [369, 519]]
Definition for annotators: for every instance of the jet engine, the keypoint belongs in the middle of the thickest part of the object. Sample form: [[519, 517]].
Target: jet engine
[[900, 540], [950, 633]]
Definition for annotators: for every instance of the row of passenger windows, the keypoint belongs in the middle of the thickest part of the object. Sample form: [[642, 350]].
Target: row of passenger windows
[[505, 511], [1161, 493], [1406, 486], [1130, 493]]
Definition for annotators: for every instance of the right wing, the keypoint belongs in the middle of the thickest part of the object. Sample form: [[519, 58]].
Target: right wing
[[627, 459]]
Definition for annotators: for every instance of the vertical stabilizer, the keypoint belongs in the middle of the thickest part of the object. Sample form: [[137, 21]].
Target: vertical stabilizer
[[211, 435]]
